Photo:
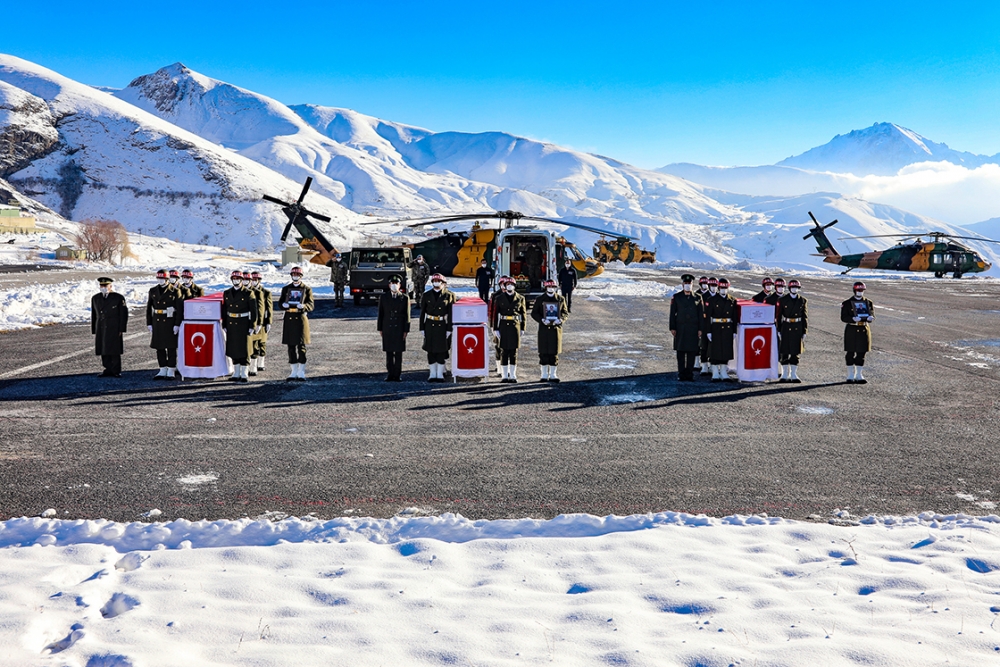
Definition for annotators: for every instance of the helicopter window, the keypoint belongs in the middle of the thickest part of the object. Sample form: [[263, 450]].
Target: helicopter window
[[936, 258]]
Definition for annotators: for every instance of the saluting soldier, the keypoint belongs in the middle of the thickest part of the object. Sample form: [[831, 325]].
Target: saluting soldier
[[767, 294], [550, 312], [687, 313], [857, 313], [339, 277], [188, 286], [393, 325], [721, 313], [435, 322], [297, 301], [421, 273], [164, 314], [567, 282], [508, 319], [792, 318], [265, 314], [108, 323], [239, 315]]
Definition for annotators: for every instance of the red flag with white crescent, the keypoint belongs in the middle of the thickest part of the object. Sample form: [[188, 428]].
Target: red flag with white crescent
[[757, 343], [199, 340], [471, 346]]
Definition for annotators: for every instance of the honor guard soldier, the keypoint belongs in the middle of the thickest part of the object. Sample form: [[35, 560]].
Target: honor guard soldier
[[701, 360], [297, 301], [508, 319], [767, 294], [779, 289], [339, 277], [265, 315], [792, 318], [484, 280], [174, 280], [435, 322], [239, 317], [393, 324], [857, 313], [550, 312], [108, 323], [501, 285], [188, 286], [164, 314], [687, 313], [711, 289], [421, 273], [567, 283], [721, 314]]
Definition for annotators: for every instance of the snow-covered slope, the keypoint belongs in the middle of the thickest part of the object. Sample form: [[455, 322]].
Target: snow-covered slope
[[113, 160]]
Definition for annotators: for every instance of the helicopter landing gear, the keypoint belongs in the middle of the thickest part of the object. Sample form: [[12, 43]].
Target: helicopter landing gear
[[956, 275], [939, 274]]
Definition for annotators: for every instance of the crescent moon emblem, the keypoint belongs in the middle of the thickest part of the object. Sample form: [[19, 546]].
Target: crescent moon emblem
[[475, 341], [753, 343], [195, 335]]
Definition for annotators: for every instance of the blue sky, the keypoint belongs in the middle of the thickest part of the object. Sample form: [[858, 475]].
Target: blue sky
[[645, 82]]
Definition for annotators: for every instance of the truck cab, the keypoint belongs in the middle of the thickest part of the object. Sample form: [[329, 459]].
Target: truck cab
[[371, 269]]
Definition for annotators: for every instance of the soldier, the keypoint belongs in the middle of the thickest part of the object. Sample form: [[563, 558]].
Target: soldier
[[550, 312], [393, 325], [567, 283], [484, 280], [856, 313], [701, 360], [339, 277], [687, 312], [711, 289], [265, 315], [164, 314], [174, 280], [792, 318], [501, 285], [767, 294], [534, 258], [779, 289], [421, 272], [435, 322], [297, 301], [108, 323], [239, 317], [508, 319], [721, 315], [188, 286]]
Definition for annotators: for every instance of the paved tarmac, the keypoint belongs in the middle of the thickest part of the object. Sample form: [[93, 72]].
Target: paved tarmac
[[618, 435]]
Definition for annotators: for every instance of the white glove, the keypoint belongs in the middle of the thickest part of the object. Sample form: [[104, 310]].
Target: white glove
[[150, 327], [285, 305], [267, 328], [447, 334], [557, 321], [870, 318], [177, 330], [803, 336], [710, 336], [496, 334], [256, 330], [857, 319]]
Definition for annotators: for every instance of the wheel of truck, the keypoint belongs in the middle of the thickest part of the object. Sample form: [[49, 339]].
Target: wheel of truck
[[357, 299]]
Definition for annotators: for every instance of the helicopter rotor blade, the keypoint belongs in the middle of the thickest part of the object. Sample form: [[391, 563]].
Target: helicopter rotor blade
[[971, 238], [593, 230], [288, 228], [275, 200], [305, 189]]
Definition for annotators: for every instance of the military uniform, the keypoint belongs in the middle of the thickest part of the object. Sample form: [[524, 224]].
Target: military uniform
[[770, 299], [192, 291], [339, 278], [484, 280], [508, 319], [239, 317], [496, 341], [857, 335], [393, 324], [721, 315], [792, 318], [421, 273], [549, 334], [164, 313], [702, 357], [534, 257], [265, 315], [435, 322], [687, 314], [297, 302], [108, 321], [567, 283]]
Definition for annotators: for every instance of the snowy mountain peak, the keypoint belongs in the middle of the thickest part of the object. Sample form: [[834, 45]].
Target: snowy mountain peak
[[882, 149]]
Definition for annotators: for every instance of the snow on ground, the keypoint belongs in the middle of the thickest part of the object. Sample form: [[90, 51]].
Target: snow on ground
[[657, 589]]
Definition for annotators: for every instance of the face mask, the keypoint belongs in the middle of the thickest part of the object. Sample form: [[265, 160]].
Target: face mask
[[794, 290], [768, 289], [188, 281], [173, 281], [723, 291], [779, 290], [394, 287], [687, 287], [237, 283], [420, 261], [860, 295], [105, 290], [483, 265], [162, 281], [296, 279], [713, 290], [568, 265], [510, 289], [254, 283], [436, 285], [550, 291]]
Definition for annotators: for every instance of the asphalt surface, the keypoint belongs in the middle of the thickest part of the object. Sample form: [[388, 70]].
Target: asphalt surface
[[618, 435]]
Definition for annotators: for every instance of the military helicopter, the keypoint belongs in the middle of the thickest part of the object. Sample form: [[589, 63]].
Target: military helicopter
[[943, 254], [507, 247], [623, 250], [310, 238]]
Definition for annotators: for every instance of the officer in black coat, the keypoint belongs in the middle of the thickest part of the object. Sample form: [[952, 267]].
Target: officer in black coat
[[567, 283], [108, 323], [393, 325], [484, 280], [687, 312]]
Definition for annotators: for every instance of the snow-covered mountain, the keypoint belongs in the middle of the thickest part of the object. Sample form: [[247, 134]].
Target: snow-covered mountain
[[87, 154]]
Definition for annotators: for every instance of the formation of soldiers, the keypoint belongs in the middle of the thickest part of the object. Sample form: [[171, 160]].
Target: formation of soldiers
[[703, 326], [702, 323]]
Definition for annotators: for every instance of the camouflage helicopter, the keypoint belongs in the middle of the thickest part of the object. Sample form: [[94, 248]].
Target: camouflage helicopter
[[621, 249], [943, 254]]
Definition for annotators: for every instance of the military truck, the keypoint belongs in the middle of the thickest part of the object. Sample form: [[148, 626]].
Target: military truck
[[371, 269]]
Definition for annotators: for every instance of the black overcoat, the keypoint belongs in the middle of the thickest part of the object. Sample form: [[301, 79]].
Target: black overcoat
[[719, 307], [790, 308], [504, 307], [549, 335], [687, 312], [857, 337], [108, 321], [393, 321], [239, 313], [295, 328], [164, 311], [436, 305]]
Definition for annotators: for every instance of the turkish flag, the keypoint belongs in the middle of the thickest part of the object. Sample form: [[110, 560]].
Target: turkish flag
[[470, 347], [757, 342], [199, 342]]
